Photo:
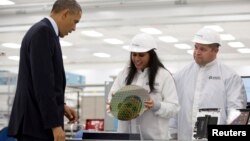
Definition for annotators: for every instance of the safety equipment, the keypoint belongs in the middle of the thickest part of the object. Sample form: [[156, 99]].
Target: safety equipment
[[142, 42], [206, 36]]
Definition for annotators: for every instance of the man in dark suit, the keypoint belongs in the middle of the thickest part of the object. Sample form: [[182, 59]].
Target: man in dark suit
[[38, 110]]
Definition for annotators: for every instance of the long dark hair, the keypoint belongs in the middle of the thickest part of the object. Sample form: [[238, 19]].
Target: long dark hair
[[154, 64]]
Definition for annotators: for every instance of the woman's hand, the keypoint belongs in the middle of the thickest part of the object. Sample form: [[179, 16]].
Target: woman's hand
[[149, 103]]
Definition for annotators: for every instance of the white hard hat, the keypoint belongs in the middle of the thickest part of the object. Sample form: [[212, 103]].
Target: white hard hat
[[206, 36], [142, 42]]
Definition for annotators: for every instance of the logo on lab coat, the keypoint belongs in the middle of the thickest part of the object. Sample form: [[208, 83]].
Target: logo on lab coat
[[214, 77]]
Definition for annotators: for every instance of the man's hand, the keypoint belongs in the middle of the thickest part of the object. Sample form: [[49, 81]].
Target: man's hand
[[58, 133], [70, 114]]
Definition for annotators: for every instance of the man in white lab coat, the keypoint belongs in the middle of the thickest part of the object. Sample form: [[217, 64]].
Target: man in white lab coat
[[206, 83]]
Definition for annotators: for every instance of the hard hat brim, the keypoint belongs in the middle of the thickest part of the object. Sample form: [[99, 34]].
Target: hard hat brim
[[202, 41], [138, 49]]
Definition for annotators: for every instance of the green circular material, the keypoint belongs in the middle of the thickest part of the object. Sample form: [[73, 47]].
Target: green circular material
[[128, 102]]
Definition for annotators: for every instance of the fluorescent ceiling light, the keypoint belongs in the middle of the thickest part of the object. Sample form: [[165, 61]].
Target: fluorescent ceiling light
[[236, 44], [22, 28], [11, 45], [215, 27], [151, 30], [6, 2], [91, 33], [65, 43], [182, 46], [244, 50], [15, 58], [168, 39], [102, 55], [113, 41], [190, 52], [227, 37]]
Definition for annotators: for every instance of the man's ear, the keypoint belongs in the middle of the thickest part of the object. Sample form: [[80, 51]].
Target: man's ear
[[216, 49], [65, 12]]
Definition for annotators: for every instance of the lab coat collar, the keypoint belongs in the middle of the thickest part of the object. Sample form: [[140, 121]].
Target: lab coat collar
[[145, 70], [209, 64]]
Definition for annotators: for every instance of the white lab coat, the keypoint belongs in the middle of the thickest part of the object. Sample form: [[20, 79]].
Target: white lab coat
[[212, 86], [153, 125]]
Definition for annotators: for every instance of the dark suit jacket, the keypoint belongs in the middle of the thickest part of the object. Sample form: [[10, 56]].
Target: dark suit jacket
[[39, 100]]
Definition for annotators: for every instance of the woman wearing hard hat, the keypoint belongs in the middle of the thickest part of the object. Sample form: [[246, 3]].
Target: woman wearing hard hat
[[146, 70], [206, 83]]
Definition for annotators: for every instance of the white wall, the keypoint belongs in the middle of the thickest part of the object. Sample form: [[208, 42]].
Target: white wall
[[98, 73]]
